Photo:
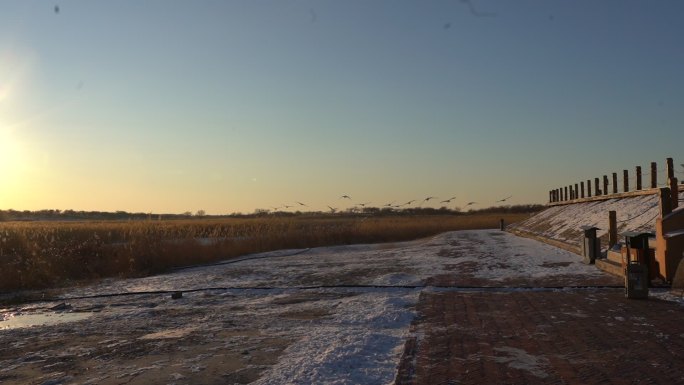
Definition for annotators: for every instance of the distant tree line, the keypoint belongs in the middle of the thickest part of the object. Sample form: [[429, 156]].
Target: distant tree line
[[72, 215], [385, 211]]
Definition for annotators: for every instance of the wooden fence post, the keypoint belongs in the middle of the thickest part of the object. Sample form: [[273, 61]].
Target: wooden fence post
[[589, 188], [612, 229], [638, 177], [664, 201], [566, 193], [674, 192], [581, 189], [654, 175], [669, 168], [625, 181], [576, 191], [605, 185], [597, 189], [615, 183]]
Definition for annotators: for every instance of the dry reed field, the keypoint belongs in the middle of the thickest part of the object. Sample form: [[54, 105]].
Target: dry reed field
[[38, 255]]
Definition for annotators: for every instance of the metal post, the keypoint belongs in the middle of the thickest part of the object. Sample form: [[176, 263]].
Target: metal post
[[638, 177], [654, 175]]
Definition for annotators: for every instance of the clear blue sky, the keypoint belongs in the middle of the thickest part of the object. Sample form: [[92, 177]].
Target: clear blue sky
[[168, 106]]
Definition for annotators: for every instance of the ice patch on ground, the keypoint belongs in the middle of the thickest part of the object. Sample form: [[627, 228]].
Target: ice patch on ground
[[520, 359]]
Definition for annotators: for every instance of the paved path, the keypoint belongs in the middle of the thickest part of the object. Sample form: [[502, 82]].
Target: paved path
[[542, 336]]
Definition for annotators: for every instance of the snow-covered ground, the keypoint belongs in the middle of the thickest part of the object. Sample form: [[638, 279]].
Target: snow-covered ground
[[334, 315]]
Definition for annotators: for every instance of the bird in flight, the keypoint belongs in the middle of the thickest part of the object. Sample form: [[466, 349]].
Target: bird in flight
[[301, 204], [345, 197], [504, 200], [388, 205], [470, 203], [286, 207], [448, 200], [475, 12], [332, 209], [364, 204], [428, 198], [409, 202]]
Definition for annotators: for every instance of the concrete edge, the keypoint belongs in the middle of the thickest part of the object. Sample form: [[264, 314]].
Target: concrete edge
[[610, 267], [561, 245]]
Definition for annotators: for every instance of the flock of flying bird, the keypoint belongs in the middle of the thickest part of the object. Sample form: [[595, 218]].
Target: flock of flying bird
[[388, 205]]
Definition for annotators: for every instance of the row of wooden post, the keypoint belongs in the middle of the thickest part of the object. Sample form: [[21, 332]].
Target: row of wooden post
[[571, 193]]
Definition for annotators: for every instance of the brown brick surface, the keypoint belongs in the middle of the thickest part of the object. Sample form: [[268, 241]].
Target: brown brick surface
[[588, 336]]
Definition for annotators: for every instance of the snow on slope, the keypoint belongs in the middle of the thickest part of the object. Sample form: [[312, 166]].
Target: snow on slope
[[563, 222]]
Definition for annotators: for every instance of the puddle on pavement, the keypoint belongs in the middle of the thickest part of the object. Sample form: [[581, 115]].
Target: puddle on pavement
[[25, 320]]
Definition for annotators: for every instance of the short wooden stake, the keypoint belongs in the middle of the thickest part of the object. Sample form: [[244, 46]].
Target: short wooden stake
[[581, 189], [588, 188], [615, 189], [638, 177], [654, 175]]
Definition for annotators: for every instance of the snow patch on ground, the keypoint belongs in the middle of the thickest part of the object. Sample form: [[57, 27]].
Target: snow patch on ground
[[269, 301]]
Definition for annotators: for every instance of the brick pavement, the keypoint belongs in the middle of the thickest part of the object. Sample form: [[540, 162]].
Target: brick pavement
[[513, 332], [589, 336]]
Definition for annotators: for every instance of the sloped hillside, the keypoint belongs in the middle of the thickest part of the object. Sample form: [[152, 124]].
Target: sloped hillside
[[563, 223]]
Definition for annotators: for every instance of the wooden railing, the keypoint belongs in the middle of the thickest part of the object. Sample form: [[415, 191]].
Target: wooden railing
[[603, 190]]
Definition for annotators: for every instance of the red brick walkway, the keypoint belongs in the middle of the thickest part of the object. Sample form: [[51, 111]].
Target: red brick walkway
[[589, 336]]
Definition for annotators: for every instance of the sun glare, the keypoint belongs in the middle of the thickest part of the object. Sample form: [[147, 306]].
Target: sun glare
[[10, 155]]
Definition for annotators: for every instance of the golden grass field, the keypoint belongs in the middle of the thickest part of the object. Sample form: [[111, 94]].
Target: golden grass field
[[37, 255]]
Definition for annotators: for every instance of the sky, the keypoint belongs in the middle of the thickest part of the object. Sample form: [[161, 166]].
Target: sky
[[231, 106]]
